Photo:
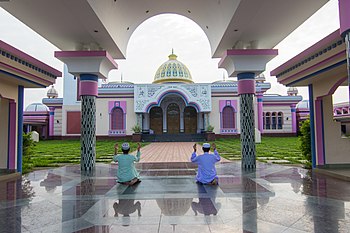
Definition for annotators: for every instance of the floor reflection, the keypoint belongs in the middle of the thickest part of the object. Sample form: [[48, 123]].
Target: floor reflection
[[271, 199]]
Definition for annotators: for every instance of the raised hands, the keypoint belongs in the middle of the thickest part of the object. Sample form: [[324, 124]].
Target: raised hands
[[213, 146], [138, 146], [195, 147]]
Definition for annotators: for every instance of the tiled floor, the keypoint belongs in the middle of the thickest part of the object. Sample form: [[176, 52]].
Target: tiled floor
[[273, 199]]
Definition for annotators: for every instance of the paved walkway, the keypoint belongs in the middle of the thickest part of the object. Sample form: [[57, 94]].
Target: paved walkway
[[169, 152]]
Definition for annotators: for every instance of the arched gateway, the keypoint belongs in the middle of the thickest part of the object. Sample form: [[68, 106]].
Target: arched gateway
[[173, 104]]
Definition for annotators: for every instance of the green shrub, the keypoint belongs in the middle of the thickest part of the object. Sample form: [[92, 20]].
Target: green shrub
[[27, 150], [305, 140], [136, 129], [210, 128]]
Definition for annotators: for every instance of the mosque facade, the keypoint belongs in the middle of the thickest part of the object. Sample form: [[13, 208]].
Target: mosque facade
[[170, 106]]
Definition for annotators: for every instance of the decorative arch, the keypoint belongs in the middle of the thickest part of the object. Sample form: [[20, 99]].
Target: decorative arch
[[228, 116], [183, 96], [117, 117]]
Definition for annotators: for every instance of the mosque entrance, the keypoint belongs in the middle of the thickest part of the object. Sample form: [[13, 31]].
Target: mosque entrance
[[173, 118], [190, 118], [156, 117]]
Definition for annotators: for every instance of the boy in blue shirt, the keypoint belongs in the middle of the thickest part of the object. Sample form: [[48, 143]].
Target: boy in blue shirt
[[206, 164], [127, 173]]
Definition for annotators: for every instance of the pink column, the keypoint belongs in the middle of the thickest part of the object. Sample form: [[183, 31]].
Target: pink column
[[294, 118], [51, 121], [319, 132], [12, 135], [260, 111]]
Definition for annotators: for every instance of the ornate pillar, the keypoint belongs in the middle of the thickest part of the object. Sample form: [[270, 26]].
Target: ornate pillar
[[90, 66], [182, 121], [88, 93], [146, 122], [344, 19], [206, 121], [260, 111], [51, 121], [294, 118], [246, 91], [164, 120], [139, 120], [245, 64]]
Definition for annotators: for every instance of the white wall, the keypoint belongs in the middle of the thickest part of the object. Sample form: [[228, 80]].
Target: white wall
[[102, 115], [337, 149], [58, 126], [287, 124]]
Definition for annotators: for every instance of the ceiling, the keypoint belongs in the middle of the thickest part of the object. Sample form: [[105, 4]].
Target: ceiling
[[109, 24]]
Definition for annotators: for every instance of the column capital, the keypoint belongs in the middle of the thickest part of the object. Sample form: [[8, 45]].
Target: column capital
[[246, 83], [87, 62], [237, 61]]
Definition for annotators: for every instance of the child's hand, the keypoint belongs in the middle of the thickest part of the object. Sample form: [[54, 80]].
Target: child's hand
[[195, 147], [116, 146]]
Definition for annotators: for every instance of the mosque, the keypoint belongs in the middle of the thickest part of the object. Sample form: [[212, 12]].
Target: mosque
[[172, 108]]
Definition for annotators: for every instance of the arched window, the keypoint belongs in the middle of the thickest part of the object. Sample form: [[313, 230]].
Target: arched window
[[268, 120], [273, 121], [280, 120], [117, 119], [228, 118]]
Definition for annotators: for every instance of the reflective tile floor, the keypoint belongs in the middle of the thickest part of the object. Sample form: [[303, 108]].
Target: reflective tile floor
[[274, 198]]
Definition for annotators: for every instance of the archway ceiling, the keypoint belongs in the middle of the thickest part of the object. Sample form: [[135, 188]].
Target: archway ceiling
[[72, 25]]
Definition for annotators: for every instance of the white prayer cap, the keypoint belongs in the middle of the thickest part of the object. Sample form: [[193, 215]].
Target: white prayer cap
[[125, 146], [206, 145]]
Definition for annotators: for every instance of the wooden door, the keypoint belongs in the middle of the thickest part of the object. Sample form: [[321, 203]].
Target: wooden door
[[156, 118], [190, 118], [173, 118]]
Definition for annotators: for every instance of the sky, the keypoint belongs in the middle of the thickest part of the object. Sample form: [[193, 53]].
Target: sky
[[152, 42]]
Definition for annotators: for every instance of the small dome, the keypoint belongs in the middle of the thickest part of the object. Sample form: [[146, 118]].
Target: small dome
[[172, 71], [260, 78], [52, 92], [37, 107], [292, 91], [303, 104]]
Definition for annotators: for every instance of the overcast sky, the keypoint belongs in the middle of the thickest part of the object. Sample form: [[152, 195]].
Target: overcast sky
[[152, 42]]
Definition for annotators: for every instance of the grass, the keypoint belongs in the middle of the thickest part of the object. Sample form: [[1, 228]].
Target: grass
[[53, 153], [271, 149]]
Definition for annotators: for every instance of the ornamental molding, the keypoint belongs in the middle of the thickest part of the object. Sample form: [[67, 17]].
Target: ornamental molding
[[148, 95]]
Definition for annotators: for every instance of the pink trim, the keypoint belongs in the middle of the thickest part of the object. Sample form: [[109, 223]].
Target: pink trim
[[321, 63], [51, 121], [59, 54], [29, 58], [112, 104], [247, 52], [88, 88], [12, 135], [344, 15], [223, 103], [307, 52], [260, 113], [47, 83], [294, 118], [246, 86], [319, 132]]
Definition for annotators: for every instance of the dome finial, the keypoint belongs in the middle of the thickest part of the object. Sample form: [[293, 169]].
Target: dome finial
[[172, 56]]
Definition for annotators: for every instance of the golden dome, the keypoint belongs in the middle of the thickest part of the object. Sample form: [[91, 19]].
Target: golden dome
[[172, 71]]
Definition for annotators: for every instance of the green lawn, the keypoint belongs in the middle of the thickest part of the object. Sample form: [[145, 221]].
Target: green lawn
[[53, 153]]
